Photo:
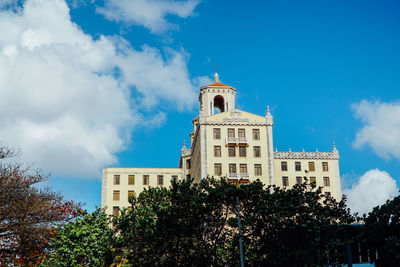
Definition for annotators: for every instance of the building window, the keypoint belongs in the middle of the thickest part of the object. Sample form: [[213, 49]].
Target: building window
[[131, 193], [326, 181], [285, 181], [242, 151], [218, 169], [217, 133], [256, 134], [313, 180], [298, 180], [116, 179], [217, 151], [325, 166], [257, 169], [297, 166], [231, 132], [174, 177], [257, 151], [311, 166], [232, 168], [146, 180], [242, 132], [231, 151], [160, 179], [116, 195], [115, 211], [243, 168], [284, 166], [131, 179], [188, 164]]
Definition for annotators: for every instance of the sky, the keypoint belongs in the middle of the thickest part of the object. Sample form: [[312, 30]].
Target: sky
[[87, 84]]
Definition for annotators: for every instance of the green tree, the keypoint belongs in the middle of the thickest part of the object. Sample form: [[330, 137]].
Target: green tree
[[86, 241], [292, 227], [196, 224], [184, 225], [381, 232]]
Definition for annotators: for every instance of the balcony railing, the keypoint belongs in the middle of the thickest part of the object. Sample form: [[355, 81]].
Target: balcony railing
[[238, 176], [237, 140]]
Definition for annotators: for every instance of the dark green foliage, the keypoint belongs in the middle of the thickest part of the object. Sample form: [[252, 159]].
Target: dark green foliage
[[196, 224], [186, 225], [86, 241], [294, 227], [382, 232]]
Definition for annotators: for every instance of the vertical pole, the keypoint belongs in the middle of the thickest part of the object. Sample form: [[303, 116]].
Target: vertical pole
[[240, 233]]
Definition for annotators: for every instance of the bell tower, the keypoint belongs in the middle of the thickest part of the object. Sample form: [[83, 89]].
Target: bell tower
[[216, 97]]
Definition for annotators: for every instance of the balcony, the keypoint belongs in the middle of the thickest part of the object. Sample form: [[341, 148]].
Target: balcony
[[239, 177], [237, 140]]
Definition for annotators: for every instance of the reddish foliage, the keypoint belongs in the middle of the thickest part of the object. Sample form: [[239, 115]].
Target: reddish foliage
[[28, 214]]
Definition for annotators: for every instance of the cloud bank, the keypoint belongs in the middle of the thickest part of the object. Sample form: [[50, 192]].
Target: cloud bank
[[148, 13], [372, 189], [381, 127], [70, 101]]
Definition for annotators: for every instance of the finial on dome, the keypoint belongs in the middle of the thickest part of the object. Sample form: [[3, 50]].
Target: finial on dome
[[184, 144], [334, 146], [267, 109], [216, 77]]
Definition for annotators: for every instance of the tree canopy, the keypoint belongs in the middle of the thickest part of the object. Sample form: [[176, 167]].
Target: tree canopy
[[382, 232], [28, 212], [86, 241], [196, 224]]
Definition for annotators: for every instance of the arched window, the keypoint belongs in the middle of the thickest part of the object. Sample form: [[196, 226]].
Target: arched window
[[219, 103]]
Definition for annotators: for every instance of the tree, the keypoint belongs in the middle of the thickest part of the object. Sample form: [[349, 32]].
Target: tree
[[381, 233], [28, 214], [292, 227], [196, 224], [85, 241], [184, 225]]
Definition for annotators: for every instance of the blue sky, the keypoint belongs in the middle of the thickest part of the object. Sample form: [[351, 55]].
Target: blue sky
[[117, 83]]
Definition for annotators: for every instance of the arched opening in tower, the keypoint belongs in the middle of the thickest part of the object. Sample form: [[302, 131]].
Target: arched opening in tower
[[219, 104]]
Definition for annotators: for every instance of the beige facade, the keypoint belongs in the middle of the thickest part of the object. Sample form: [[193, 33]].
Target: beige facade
[[228, 142], [119, 183]]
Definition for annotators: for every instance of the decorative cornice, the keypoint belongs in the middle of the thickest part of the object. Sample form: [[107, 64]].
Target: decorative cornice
[[234, 122], [307, 155], [146, 171], [220, 89]]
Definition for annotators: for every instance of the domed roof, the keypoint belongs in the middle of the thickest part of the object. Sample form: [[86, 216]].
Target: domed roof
[[216, 82]]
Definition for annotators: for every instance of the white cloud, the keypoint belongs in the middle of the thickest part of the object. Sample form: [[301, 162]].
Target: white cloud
[[381, 127], [69, 101], [372, 189], [148, 13]]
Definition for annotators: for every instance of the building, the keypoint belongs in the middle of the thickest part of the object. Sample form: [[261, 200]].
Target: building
[[227, 142]]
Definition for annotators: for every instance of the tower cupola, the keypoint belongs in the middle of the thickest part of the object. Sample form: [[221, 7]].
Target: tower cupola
[[216, 97]]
